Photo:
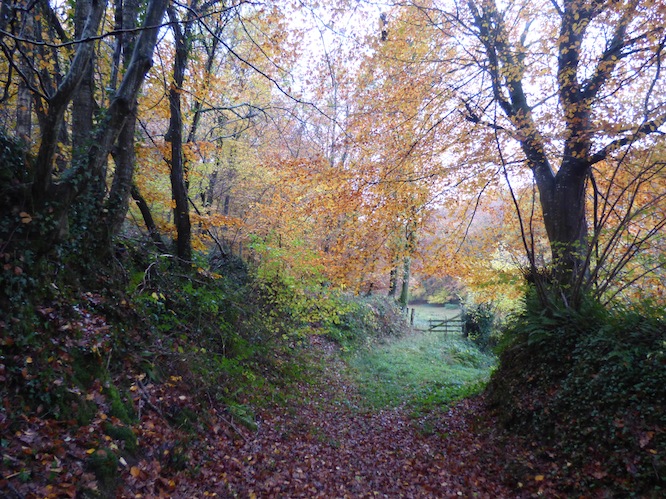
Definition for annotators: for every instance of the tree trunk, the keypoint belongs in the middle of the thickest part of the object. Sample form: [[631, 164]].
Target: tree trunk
[[404, 289], [410, 247], [24, 97], [175, 136], [24, 112], [153, 231], [125, 156], [563, 206], [393, 280], [83, 107]]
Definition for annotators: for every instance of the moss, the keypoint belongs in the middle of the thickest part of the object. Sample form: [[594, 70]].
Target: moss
[[123, 434], [86, 368], [120, 408], [104, 464], [85, 411]]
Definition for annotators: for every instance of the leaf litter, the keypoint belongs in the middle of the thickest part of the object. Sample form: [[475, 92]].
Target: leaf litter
[[321, 443]]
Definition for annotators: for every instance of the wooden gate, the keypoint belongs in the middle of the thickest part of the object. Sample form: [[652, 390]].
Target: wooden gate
[[453, 325]]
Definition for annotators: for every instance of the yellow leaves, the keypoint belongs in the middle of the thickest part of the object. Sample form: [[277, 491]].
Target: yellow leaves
[[25, 217], [216, 220]]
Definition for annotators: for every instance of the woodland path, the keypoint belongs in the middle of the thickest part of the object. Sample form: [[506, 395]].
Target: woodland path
[[322, 445]]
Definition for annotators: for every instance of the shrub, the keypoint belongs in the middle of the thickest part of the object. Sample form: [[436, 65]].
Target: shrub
[[597, 377], [364, 320], [480, 326]]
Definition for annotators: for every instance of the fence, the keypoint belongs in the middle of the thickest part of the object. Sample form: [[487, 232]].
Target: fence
[[454, 325]]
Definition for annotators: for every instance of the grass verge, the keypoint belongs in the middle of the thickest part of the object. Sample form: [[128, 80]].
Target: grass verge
[[422, 371]]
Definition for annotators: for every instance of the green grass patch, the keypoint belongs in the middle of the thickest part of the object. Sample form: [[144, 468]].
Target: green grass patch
[[422, 371]]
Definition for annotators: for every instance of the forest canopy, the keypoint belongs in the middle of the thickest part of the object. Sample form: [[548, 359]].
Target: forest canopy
[[367, 146]]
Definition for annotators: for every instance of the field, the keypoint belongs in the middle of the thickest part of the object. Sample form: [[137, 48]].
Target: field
[[422, 370], [425, 311]]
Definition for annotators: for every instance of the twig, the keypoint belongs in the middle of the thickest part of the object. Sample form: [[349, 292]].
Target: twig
[[146, 398], [234, 427], [11, 487], [225, 420]]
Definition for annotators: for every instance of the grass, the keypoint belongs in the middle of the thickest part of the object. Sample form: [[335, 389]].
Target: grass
[[423, 371]]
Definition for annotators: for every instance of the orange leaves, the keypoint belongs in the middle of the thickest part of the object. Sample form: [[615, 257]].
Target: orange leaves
[[217, 220]]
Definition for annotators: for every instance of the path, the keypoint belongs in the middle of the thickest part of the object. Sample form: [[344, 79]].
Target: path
[[324, 446]]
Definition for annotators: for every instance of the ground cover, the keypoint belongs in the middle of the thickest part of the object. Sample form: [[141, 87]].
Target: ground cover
[[386, 421], [423, 371]]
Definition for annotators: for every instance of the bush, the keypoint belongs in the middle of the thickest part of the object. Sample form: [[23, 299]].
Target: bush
[[480, 326], [365, 320], [597, 377]]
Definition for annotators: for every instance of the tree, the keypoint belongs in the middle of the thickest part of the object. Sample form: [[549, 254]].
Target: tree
[[182, 35], [218, 91], [48, 195], [558, 87]]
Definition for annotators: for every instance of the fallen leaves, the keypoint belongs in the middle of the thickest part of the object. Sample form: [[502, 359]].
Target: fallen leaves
[[319, 444]]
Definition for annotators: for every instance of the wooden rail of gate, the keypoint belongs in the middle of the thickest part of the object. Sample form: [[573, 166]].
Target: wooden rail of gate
[[446, 326]]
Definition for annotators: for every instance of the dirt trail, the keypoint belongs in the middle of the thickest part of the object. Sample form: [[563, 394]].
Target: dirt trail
[[322, 445]]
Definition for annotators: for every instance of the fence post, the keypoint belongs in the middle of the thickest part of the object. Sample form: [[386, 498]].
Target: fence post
[[411, 319]]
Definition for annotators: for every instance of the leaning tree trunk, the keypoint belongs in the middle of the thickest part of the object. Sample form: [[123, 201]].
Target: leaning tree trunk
[[153, 231]]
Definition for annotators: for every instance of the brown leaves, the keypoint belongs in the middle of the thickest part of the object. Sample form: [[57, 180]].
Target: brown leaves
[[319, 444]]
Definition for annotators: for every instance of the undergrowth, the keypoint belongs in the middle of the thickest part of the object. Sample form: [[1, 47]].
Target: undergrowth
[[236, 337], [598, 377]]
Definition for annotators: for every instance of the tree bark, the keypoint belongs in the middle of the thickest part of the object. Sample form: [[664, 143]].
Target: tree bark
[[393, 280], [117, 204], [153, 231], [24, 112], [410, 247], [83, 107], [175, 137], [404, 288]]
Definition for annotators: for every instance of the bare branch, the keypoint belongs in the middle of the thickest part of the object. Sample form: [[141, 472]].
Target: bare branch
[[645, 129]]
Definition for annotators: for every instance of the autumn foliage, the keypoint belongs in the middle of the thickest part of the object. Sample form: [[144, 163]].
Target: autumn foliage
[[192, 194]]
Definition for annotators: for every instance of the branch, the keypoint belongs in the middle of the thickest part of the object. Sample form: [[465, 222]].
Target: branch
[[645, 129], [557, 8], [272, 80], [472, 117], [657, 75], [515, 106], [53, 21], [223, 251], [611, 56]]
